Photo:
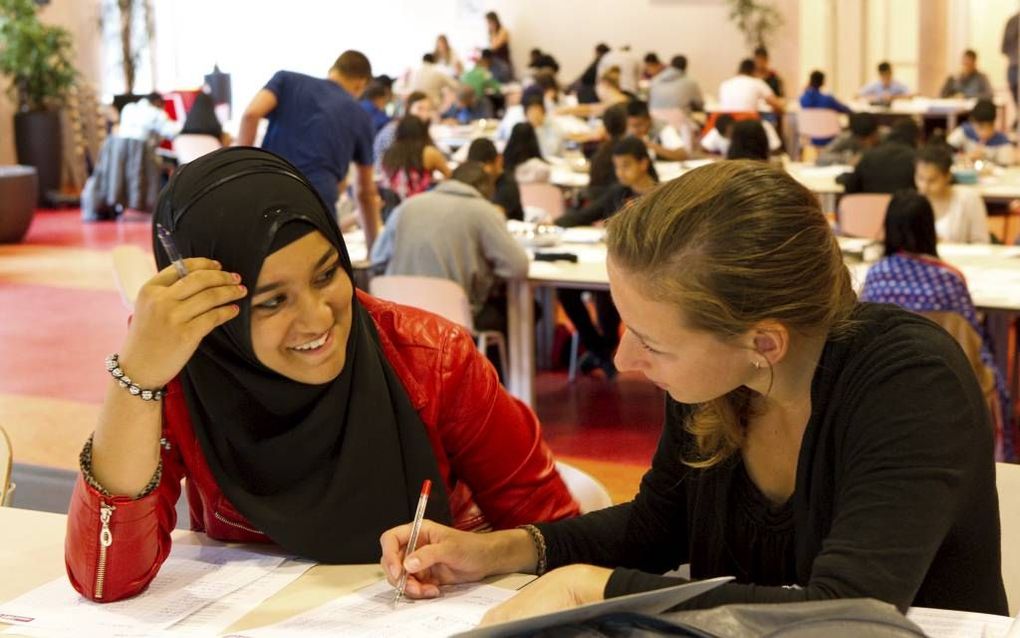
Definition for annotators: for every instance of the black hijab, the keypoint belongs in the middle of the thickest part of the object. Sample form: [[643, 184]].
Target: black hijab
[[321, 469], [201, 119]]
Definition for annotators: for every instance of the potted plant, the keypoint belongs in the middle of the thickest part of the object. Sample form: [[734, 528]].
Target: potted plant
[[758, 20], [38, 60]]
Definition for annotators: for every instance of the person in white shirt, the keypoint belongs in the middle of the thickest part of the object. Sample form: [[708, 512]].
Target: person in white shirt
[[743, 93], [146, 118], [717, 140], [550, 135], [629, 65], [960, 213], [446, 58], [431, 79]]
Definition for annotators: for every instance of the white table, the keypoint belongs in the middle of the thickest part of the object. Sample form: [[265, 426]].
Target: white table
[[992, 272], [32, 554]]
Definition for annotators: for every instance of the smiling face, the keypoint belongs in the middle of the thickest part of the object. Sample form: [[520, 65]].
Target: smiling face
[[692, 365], [301, 311]]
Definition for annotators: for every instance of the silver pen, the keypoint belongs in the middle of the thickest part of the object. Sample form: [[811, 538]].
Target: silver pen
[[170, 247], [412, 542]]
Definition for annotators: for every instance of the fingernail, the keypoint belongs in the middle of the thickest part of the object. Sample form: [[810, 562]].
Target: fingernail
[[243, 288], [412, 564], [394, 572], [237, 277]]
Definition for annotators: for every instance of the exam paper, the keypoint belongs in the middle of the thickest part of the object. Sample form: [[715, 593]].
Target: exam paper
[[192, 577], [370, 612], [943, 623]]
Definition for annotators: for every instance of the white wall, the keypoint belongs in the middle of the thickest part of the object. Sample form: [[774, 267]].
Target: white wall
[[251, 39]]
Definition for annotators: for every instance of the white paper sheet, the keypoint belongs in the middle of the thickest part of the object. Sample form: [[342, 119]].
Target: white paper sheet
[[370, 612], [212, 619], [943, 623], [191, 578]]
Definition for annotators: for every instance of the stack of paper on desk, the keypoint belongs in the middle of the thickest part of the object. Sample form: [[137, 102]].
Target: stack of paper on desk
[[199, 589]]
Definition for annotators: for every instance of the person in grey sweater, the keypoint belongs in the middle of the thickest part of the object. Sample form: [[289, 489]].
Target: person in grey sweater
[[455, 233], [672, 89]]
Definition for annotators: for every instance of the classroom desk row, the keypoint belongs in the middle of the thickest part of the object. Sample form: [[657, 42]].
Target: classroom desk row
[[992, 272], [32, 554]]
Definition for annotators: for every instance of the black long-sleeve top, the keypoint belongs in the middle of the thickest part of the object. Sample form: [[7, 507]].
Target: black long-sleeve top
[[611, 200], [894, 499]]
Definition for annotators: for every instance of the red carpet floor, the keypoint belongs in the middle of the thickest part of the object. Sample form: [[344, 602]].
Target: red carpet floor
[[62, 315]]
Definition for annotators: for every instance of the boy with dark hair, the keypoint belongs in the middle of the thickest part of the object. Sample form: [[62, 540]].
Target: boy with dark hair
[[847, 147], [969, 82], [813, 98], [885, 89], [374, 100], [507, 195], [343, 133], [663, 141], [978, 138]]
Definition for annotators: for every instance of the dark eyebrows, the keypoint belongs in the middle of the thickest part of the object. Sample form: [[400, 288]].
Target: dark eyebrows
[[330, 252]]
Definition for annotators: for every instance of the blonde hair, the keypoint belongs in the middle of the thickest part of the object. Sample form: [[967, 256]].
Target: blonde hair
[[734, 243]]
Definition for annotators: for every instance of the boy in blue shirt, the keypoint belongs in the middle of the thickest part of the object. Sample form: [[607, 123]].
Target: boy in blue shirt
[[374, 100], [978, 139], [813, 98], [886, 89], [318, 125]]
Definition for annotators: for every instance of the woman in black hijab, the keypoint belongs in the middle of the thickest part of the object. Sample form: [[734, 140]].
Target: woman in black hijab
[[302, 412]]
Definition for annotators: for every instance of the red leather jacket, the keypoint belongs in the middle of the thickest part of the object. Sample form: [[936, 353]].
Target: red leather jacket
[[499, 472]]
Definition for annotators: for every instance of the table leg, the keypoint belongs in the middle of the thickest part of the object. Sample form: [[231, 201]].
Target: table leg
[[521, 329], [546, 327]]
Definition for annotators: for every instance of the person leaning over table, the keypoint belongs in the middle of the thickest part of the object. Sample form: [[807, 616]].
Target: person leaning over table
[[960, 213], [302, 412], [814, 447]]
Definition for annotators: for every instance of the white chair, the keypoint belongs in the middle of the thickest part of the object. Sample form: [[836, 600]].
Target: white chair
[[822, 123], [6, 465], [586, 490], [545, 196], [190, 147], [1007, 480], [132, 267], [442, 297], [863, 215]]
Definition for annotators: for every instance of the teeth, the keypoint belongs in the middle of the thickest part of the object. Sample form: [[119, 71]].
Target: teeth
[[312, 345]]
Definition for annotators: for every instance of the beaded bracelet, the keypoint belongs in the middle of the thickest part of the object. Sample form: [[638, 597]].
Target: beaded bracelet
[[113, 367], [538, 540]]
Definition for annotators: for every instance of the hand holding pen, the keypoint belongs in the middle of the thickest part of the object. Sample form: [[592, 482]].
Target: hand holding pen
[[174, 311], [412, 543]]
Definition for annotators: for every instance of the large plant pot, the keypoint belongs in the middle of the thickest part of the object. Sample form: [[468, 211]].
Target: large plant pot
[[17, 202], [38, 142]]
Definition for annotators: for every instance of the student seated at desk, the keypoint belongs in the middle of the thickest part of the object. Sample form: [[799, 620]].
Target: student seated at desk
[[885, 89], [409, 163], [969, 83], [717, 140], [302, 412], [468, 107], [522, 156], [374, 100], [506, 195], [813, 98], [743, 92], [663, 141], [912, 276], [417, 104], [960, 213], [547, 130], [635, 176], [978, 139], [748, 141], [814, 447], [847, 147], [454, 232], [602, 172], [480, 76], [888, 167]]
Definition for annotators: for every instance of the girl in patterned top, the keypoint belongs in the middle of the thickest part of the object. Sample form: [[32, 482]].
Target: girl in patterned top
[[912, 276]]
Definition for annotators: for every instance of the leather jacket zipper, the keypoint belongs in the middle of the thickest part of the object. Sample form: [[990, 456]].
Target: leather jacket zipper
[[223, 519], [105, 540]]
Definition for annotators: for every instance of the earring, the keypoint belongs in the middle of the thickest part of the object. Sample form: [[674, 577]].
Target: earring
[[756, 364]]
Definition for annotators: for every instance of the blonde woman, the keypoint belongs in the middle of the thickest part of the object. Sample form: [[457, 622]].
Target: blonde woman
[[814, 447]]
